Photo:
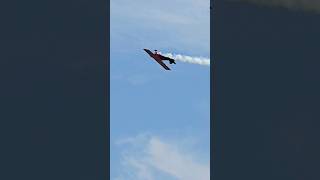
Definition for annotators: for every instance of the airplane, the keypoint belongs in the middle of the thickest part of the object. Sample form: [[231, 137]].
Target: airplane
[[159, 58]]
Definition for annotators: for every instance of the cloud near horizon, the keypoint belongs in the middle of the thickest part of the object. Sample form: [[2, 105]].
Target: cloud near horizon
[[152, 158]]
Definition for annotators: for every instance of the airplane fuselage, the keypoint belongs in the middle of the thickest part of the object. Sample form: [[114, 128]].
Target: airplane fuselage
[[159, 58]]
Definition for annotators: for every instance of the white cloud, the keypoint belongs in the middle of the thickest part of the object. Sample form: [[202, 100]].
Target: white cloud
[[183, 25], [150, 158]]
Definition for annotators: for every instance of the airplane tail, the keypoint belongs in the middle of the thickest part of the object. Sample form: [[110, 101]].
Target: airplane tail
[[172, 61]]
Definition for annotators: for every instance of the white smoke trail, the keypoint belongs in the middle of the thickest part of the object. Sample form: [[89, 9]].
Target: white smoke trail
[[189, 59]]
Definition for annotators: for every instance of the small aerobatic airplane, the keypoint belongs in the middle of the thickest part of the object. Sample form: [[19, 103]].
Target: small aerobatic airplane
[[159, 58]]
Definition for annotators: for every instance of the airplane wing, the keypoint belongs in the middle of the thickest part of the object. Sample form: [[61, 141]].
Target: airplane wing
[[162, 64], [157, 59], [149, 52]]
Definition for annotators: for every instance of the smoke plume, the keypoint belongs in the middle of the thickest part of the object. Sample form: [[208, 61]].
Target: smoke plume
[[189, 59], [305, 5]]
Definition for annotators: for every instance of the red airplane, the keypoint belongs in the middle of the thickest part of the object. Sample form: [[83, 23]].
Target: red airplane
[[159, 58]]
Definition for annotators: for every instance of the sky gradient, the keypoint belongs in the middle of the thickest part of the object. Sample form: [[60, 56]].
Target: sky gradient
[[159, 118]]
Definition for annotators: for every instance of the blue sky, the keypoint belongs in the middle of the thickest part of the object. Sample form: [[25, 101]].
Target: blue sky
[[159, 119]]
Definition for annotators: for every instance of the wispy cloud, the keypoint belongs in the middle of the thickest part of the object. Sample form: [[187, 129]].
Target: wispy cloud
[[180, 24], [150, 158]]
